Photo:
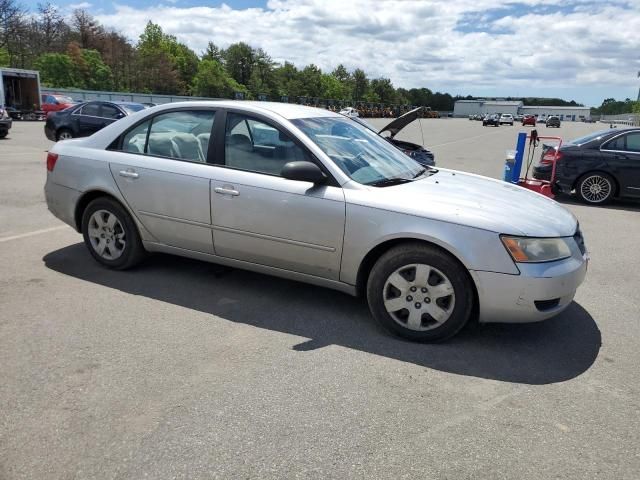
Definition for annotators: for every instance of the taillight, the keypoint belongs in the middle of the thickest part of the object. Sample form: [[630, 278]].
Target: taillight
[[51, 161], [550, 156]]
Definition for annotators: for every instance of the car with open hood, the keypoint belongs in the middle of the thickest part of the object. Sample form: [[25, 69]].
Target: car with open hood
[[418, 152], [320, 199]]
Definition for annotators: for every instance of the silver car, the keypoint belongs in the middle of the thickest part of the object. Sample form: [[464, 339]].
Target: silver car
[[310, 195]]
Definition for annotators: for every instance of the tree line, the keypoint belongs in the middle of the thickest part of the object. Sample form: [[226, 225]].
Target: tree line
[[79, 52]]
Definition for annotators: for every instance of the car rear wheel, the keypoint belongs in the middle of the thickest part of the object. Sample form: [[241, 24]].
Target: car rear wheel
[[420, 293], [64, 134], [111, 235], [595, 188], [4, 133]]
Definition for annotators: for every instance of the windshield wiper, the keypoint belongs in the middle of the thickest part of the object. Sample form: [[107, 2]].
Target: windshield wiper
[[420, 173], [388, 182]]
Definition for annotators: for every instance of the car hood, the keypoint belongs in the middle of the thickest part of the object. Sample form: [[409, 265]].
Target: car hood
[[402, 121], [475, 201]]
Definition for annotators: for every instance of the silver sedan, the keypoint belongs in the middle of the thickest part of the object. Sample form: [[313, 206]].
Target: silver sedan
[[310, 195]]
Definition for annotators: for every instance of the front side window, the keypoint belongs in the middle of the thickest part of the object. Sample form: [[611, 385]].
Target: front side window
[[360, 153], [257, 146], [633, 142], [182, 135]]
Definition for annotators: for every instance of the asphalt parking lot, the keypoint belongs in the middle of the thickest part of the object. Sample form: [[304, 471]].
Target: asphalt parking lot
[[181, 369]]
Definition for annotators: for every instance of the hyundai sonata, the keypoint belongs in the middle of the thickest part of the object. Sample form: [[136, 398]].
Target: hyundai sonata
[[310, 195]]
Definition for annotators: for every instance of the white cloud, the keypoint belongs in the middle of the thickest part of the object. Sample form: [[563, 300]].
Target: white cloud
[[461, 46], [81, 5]]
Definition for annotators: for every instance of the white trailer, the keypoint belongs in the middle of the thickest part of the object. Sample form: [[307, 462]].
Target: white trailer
[[20, 91]]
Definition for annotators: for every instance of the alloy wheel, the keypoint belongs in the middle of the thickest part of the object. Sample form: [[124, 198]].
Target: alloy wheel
[[106, 234], [64, 135], [419, 297], [595, 188]]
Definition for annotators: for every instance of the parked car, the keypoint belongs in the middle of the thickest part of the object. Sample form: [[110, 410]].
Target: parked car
[[331, 203], [506, 119], [5, 122], [518, 118], [541, 119], [478, 117], [419, 153], [55, 103], [86, 119], [148, 104], [598, 167], [553, 121], [350, 112], [491, 120], [529, 120]]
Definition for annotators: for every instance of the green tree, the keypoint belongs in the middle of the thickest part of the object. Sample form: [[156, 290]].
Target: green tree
[[311, 81], [288, 80], [212, 52], [4, 57], [333, 88], [239, 62], [360, 84], [263, 79], [57, 70], [383, 88], [212, 80]]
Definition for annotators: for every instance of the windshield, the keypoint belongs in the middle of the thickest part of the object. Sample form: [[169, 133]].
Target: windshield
[[360, 153], [591, 136], [131, 107]]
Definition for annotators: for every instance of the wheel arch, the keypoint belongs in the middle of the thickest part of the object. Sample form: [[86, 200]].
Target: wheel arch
[[380, 249], [86, 198]]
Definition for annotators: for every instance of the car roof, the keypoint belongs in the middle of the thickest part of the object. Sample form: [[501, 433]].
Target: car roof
[[286, 110]]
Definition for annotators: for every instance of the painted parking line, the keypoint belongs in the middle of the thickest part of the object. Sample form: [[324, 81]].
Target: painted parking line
[[33, 233], [466, 139]]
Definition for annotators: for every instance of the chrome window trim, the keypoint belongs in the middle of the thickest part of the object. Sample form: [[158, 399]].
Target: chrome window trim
[[618, 136]]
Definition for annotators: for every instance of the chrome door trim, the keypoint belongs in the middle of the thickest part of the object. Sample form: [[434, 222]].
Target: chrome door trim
[[240, 232], [274, 239]]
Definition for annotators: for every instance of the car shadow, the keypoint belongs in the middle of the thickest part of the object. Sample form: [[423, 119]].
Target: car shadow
[[627, 204], [553, 351]]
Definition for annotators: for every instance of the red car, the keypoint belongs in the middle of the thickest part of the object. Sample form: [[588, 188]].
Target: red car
[[529, 120], [55, 102]]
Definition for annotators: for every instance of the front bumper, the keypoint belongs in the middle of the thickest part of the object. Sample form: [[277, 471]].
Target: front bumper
[[5, 124], [540, 291]]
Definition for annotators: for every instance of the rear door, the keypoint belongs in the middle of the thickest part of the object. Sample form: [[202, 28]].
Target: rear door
[[260, 217], [623, 157], [87, 119], [163, 174]]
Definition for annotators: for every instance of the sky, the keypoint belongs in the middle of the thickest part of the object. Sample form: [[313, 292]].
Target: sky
[[585, 50]]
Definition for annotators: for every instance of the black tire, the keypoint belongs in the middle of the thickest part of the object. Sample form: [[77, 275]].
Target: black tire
[[4, 133], [61, 132], [585, 194], [133, 251], [419, 253]]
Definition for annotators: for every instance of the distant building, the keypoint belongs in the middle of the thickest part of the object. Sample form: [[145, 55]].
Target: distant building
[[464, 108]]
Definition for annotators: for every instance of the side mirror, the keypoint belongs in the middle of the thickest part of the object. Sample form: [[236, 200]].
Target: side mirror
[[303, 172]]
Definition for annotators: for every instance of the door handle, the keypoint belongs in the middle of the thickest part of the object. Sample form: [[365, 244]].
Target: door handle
[[226, 191], [128, 174]]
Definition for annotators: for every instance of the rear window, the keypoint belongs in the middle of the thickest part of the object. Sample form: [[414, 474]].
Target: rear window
[[131, 107], [590, 137]]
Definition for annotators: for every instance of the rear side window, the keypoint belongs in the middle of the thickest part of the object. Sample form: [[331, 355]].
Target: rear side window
[[109, 111], [615, 144], [134, 140], [92, 109], [182, 135]]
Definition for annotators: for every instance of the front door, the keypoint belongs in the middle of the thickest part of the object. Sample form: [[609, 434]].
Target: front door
[[164, 177], [260, 217], [623, 157]]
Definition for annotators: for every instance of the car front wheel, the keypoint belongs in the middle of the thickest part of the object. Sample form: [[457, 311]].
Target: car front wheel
[[595, 188], [419, 292], [111, 235]]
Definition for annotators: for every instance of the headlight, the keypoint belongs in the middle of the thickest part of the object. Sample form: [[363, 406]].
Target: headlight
[[531, 250]]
